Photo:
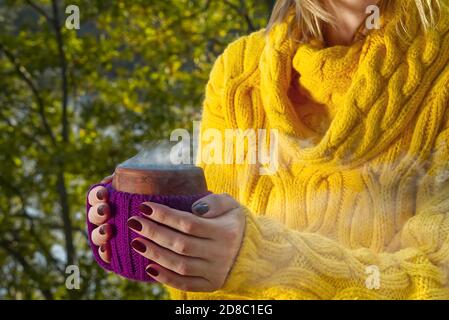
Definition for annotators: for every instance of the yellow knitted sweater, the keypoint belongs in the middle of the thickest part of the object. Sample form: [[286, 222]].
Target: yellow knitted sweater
[[367, 197]]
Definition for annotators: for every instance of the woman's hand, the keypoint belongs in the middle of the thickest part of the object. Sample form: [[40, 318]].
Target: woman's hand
[[98, 214], [195, 252]]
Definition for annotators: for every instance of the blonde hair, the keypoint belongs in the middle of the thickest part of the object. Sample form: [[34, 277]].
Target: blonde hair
[[311, 15]]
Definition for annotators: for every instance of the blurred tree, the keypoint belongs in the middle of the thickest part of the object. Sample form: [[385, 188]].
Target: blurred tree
[[74, 103]]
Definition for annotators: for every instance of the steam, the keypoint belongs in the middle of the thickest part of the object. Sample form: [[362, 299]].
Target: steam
[[155, 156]]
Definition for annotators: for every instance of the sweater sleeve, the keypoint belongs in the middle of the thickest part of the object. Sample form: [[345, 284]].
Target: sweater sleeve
[[275, 262]]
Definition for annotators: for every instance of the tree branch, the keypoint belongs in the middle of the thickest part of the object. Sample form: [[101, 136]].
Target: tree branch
[[65, 213], [63, 63], [192, 15], [39, 10], [27, 216], [46, 292], [61, 186], [27, 136], [243, 11], [26, 77]]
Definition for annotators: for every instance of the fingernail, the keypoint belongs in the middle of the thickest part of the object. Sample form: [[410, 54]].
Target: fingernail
[[101, 210], [152, 271], [200, 208], [100, 194], [139, 246], [134, 224], [103, 229], [145, 209], [103, 248]]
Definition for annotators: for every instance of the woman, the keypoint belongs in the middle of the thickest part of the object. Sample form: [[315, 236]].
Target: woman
[[359, 205]]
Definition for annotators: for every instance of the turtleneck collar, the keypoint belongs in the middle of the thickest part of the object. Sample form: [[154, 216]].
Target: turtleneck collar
[[374, 79], [333, 67]]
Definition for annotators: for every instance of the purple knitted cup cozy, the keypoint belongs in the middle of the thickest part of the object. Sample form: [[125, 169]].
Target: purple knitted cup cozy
[[125, 261]]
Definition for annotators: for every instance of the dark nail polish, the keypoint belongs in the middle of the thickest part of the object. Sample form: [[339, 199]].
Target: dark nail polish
[[102, 248], [139, 246], [135, 225], [103, 229], [101, 210], [200, 208], [152, 271], [100, 194], [146, 210]]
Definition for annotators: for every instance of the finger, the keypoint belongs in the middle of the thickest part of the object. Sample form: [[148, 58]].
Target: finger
[[105, 252], [107, 179], [214, 205], [182, 265], [99, 213], [98, 194], [101, 234], [168, 238], [184, 283], [180, 220]]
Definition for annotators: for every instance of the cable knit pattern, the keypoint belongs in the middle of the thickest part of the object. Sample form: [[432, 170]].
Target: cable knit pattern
[[371, 191], [124, 260]]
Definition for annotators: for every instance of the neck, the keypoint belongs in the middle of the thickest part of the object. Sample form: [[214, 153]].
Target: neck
[[348, 15]]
